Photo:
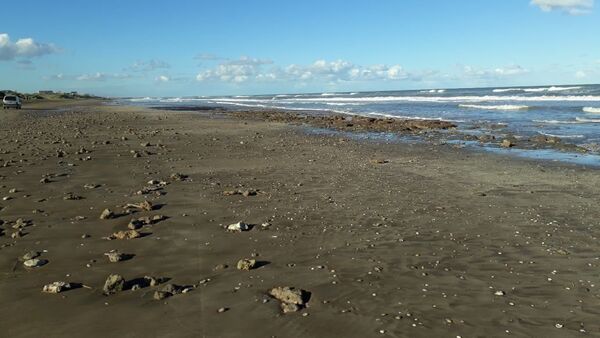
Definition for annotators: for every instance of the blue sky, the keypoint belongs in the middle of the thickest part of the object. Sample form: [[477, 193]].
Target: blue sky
[[175, 48]]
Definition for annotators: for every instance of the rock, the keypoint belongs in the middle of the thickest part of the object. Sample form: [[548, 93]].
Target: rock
[[129, 234], [113, 284], [289, 307], [172, 289], [135, 224], [238, 227], [30, 255], [499, 293], [114, 256], [44, 180], [222, 309], [107, 214], [246, 264], [17, 234], [160, 295], [507, 143], [56, 287], [289, 295], [91, 186], [35, 263], [152, 281], [248, 193]]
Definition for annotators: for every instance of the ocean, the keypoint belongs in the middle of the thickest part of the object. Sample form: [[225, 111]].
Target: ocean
[[571, 113]]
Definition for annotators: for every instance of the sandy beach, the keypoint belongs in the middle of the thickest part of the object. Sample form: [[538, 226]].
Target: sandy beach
[[378, 239]]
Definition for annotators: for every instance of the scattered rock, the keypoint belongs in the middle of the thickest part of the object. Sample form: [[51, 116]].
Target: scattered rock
[[246, 264], [113, 284], [379, 161], [145, 205], [507, 143], [30, 255], [114, 256], [71, 197], [35, 263], [291, 299], [107, 214], [238, 227], [178, 177], [128, 234], [56, 287]]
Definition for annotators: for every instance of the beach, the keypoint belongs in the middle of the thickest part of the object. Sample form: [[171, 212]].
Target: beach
[[384, 238]]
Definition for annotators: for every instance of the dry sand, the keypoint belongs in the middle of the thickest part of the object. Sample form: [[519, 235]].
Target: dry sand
[[387, 240]]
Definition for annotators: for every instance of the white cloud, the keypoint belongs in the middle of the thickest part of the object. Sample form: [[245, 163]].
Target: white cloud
[[163, 78], [98, 76], [500, 72], [249, 69], [23, 48], [148, 66], [573, 7]]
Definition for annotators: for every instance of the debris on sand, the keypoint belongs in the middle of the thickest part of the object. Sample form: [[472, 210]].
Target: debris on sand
[[128, 234], [138, 223], [291, 299], [238, 227], [145, 205], [245, 193], [35, 263], [20, 223], [71, 197], [114, 256], [91, 186], [246, 264], [113, 284], [379, 161], [56, 287], [178, 177], [107, 214]]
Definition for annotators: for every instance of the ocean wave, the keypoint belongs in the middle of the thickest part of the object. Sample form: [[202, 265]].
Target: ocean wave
[[591, 110], [281, 107], [506, 90], [549, 89], [500, 107], [557, 122], [561, 136], [535, 90], [584, 120], [433, 91], [413, 117], [443, 99]]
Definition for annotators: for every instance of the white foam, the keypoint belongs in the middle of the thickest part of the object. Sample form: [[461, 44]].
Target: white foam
[[549, 89], [561, 136], [458, 99], [506, 90], [556, 122], [591, 110], [584, 120], [499, 107]]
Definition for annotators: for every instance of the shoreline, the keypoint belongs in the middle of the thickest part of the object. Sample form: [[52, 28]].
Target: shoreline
[[386, 239]]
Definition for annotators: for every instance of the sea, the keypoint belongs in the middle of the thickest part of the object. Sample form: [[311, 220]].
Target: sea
[[570, 112]]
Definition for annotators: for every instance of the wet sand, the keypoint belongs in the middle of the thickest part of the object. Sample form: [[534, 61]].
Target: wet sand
[[387, 239]]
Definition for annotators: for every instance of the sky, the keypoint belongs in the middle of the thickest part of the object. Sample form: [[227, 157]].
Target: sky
[[187, 48]]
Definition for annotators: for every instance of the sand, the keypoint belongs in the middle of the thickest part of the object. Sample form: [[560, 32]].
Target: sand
[[385, 239]]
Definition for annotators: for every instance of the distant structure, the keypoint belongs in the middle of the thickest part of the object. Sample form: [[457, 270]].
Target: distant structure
[[46, 92], [74, 93]]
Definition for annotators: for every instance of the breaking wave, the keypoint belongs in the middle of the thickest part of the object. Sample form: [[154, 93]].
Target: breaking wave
[[591, 110], [499, 107]]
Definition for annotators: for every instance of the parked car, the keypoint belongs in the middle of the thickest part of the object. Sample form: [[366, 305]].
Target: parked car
[[11, 101]]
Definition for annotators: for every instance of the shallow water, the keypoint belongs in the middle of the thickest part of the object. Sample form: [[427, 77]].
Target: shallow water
[[571, 113]]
